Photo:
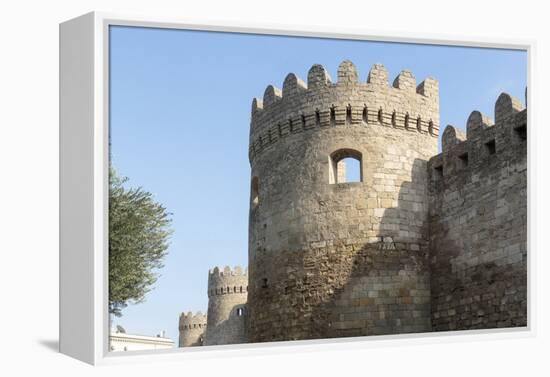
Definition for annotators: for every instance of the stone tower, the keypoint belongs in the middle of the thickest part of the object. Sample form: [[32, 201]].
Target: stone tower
[[192, 328], [227, 312], [329, 258]]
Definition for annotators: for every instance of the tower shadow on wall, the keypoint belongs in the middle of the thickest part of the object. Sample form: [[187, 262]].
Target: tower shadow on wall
[[384, 288]]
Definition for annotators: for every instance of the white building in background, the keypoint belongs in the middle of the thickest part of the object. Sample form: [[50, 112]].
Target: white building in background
[[120, 341]]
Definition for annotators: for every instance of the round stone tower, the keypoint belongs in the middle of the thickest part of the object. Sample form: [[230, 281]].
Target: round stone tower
[[192, 328], [327, 257], [227, 312]]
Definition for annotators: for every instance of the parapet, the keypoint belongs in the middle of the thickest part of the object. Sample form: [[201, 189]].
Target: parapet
[[483, 138], [451, 137], [227, 281], [190, 321], [349, 101], [507, 111]]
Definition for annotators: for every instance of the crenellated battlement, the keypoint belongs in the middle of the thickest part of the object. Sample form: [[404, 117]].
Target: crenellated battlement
[[483, 138], [440, 236], [321, 103], [227, 271], [190, 321], [227, 281]]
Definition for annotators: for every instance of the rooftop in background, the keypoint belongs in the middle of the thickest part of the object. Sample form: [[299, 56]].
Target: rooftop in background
[[120, 341]]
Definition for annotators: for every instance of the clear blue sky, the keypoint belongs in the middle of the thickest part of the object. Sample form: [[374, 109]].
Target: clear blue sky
[[180, 110]]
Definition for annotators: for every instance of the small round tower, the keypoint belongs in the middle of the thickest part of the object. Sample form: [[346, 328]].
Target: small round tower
[[227, 311], [192, 329], [327, 257]]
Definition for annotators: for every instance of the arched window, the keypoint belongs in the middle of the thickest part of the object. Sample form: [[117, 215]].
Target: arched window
[[419, 124], [365, 115], [240, 312], [345, 166], [254, 193]]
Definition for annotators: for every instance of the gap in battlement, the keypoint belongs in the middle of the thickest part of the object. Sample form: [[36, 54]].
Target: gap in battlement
[[463, 158], [438, 173], [491, 147], [521, 132]]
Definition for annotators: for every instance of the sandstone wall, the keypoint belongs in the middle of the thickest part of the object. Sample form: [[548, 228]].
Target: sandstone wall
[[478, 222]]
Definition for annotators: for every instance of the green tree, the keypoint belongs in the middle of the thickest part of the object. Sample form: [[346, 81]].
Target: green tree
[[139, 230]]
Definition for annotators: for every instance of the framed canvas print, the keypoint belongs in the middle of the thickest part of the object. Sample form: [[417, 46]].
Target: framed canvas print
[[238, 188]]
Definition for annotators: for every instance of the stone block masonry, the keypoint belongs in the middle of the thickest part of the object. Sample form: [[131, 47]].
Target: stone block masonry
[[422, 242], [478, 222], [330, 259]]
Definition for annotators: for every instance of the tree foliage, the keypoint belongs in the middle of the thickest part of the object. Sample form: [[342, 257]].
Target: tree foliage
[[139, 231]]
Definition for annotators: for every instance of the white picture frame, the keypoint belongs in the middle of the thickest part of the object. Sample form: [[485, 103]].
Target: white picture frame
[[84, 125]]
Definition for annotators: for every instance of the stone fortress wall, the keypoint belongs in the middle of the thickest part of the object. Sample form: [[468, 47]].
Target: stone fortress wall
[[478, 222], [423, 242]]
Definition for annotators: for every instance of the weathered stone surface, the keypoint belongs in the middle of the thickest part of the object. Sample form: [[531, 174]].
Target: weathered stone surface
[[478, 223], [342, 259], [424, 242]]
